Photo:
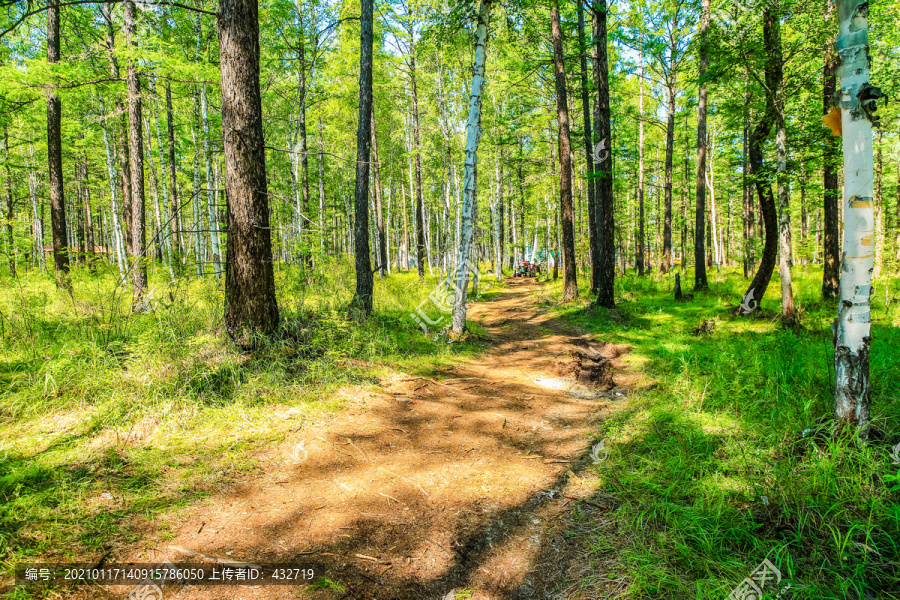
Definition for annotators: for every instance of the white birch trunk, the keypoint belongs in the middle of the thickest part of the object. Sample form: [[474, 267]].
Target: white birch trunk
[[495, 218], [210, 189], [853, 324], [111, 171], [473, 137]]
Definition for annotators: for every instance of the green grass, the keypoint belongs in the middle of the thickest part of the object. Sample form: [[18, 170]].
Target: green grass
[[160, 409], [711, 466]]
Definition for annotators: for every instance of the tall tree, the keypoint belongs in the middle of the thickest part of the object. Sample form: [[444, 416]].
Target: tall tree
[[604, 183], [364, 279], [852, 339], [700, 282], [379, 213], [473, 137], [570, 281], [135, 133], [785, 251], [250, 303], [639, 243], [54, 155], [589, 161], [758, 174]]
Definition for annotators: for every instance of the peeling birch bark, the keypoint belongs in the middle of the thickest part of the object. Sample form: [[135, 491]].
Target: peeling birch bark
[[853, 325]]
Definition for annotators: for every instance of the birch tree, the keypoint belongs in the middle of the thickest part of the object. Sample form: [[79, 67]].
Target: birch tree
[[853, 324], [473, 137]]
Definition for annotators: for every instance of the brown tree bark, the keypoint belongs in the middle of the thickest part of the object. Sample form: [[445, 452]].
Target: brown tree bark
[[588, 150], [760, 177], [639, 244], [570, 282], [54, 157], [700, 282], [136, 149], [364, 280], [604, 183], [250, 302]]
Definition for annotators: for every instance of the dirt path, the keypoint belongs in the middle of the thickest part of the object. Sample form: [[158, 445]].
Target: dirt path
[[466, 481]]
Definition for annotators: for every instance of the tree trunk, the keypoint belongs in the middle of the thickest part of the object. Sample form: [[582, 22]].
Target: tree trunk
[[700, 282], [210, 187], [136, 149], [114, 205], [379, 215], [788, 313], [588, 150], [831, 243], [473, 137], [604, 182], [879, 213], [640, 191], [760, 132], [419, 220], [364, 282], [54, 156], [570, 282], [666, 263], [173, 175], [10, 207], [250, 303], [321, 191], [853, 324]]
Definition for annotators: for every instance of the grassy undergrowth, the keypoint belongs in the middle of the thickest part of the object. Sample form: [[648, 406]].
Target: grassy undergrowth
[[724, 457], [109, 420]]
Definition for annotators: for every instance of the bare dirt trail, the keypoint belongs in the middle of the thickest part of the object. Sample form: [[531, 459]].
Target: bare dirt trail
[[437, 487]]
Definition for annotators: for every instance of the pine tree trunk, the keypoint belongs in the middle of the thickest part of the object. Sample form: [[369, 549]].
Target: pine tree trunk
[[138, 256], [570, 282], [593, 241], [700, 282], [54, 156], [604, 183], [639, 250], [473, 137], [250, 303], [364, 280]]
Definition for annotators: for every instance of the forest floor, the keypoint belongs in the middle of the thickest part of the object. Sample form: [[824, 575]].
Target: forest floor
[[472, 483], [662, 449]]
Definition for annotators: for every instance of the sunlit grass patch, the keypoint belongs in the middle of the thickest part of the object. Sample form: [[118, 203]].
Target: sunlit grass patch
[[111, 420], [729, 460]]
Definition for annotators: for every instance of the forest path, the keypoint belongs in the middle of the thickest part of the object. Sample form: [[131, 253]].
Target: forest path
[[435, 487]]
